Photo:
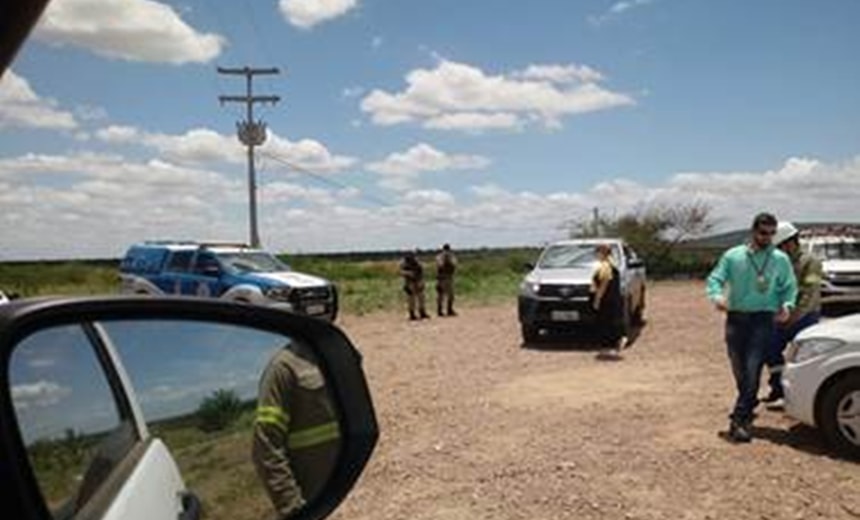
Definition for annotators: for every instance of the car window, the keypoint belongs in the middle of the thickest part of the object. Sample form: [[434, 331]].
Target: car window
[[253, 262], [561, 256], [180, 261], [73, 423], [198, 385]]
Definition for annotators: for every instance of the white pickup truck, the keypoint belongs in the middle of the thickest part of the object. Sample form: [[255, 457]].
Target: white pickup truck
[[839, 252], [554, 296]]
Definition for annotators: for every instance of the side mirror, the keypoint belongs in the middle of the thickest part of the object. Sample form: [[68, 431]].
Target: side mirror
[[635, 263], [260, 409], [528, 266], [211, 270]]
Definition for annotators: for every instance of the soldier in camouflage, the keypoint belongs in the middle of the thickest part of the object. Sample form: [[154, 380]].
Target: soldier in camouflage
[[446, 266], [413, 285]]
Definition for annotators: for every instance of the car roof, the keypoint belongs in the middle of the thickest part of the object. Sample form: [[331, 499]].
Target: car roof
[[586, 241]]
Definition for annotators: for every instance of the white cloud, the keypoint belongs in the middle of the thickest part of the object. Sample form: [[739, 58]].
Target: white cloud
[[202, 145], [41, 393], [21, 107], [352, 92], [308, 13], [463, 97], [134, 30], [95, 205], [617, 9], [400, 170]]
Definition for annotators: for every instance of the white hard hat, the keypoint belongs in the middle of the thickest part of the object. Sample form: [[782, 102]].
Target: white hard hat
[[784, 231]]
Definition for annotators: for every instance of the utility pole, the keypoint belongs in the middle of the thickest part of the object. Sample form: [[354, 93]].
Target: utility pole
[[251, 133]]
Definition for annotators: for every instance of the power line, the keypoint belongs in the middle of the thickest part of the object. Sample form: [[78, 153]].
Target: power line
[[387, 204]]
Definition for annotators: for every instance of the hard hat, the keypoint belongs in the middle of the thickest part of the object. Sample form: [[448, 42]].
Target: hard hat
[[784, 231]]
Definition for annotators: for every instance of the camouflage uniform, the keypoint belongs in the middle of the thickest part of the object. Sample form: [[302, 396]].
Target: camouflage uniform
[[296, 433], [446, 266], [413, 285]]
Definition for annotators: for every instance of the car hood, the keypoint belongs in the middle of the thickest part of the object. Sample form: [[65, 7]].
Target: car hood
[[841, 266], [570, 275], [846, 328], [290, 278]]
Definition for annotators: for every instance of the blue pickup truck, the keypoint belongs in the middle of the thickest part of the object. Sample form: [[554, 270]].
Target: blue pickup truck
[[231, 271]]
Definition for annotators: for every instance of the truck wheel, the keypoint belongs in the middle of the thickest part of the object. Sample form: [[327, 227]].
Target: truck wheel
[[530, 333], [839, 417], [639, 313]]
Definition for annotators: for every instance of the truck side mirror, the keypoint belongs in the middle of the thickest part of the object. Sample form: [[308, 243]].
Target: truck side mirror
[[635, 263]]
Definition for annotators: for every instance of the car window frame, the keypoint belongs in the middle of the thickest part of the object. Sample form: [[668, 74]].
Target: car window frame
[[17, 461]]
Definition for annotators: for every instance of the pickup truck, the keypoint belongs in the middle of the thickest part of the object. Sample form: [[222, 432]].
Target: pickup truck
[[555, 294], [232, 272]]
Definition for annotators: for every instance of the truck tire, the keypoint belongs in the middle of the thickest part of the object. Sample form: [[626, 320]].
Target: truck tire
[[839, 415], [530, 333], [639, 313]]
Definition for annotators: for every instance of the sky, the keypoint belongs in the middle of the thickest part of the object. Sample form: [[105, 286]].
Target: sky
[[57, 382], [407, 124]]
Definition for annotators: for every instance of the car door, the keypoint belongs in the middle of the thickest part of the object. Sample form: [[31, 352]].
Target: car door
[[205, 277], [86, 442]]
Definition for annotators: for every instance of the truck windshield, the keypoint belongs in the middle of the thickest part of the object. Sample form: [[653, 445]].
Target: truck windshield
[[567, 255], [252, 262], [845, 250]]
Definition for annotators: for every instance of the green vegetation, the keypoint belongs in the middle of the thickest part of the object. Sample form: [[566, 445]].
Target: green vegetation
[[366, 282], [219, 410]]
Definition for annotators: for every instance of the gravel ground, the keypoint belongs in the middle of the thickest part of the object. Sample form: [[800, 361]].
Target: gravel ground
[[474, 426]]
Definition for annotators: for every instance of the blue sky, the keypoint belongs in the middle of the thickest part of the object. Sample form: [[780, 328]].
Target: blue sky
[[407, 123]]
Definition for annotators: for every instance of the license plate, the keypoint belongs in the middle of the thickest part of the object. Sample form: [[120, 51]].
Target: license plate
[[315, 309], [565, 315]]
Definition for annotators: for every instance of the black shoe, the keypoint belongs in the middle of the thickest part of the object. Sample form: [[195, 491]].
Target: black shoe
[[412, 316], [439, 313], [773, 396], [425, 316], [739, 432], [451, 312]]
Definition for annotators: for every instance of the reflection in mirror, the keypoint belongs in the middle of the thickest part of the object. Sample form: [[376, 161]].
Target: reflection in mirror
[[245, 413]]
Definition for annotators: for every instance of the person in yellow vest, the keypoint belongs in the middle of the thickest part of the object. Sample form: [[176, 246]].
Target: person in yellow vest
[[296, 438]]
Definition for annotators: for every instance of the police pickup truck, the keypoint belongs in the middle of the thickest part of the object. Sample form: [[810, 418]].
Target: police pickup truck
[[230, 271]]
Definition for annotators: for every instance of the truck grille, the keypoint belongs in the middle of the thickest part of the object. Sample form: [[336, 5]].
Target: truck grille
[[310, 293], [564, 291]]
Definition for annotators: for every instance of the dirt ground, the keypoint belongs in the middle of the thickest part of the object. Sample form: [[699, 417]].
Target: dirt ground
[[473, 426]]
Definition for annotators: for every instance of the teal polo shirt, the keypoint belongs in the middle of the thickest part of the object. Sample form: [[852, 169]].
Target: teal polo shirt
[[739, 272]]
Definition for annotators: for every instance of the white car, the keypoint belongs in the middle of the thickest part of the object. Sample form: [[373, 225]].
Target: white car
[[822, 381]]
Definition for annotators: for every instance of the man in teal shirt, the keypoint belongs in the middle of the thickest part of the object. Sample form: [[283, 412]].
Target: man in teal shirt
[[754, 284]]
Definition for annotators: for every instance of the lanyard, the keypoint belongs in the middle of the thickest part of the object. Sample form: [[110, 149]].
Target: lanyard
[[761, 279]]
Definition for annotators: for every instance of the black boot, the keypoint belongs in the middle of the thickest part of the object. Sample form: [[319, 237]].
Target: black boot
[[412, 316], [740, 431], [451, 311], [424, 315]]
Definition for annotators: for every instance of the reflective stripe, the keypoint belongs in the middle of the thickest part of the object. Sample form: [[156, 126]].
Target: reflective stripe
[[314, 436], [273, 415], [812, 279]]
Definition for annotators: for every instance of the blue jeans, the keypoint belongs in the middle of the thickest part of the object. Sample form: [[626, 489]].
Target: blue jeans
[[748, 337], [781, 337]]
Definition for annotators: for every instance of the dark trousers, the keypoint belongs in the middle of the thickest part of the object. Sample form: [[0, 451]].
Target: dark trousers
[[748, 338], [781, 337]]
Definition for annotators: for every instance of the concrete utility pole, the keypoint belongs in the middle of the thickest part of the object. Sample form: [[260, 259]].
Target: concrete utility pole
[[251, 133]]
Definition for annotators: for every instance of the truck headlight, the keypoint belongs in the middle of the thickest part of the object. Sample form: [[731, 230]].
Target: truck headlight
[[529, 288], [278, 293], [804, 350]]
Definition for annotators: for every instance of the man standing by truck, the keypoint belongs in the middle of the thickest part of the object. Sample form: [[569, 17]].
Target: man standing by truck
[[761, 288], [807, 309]]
